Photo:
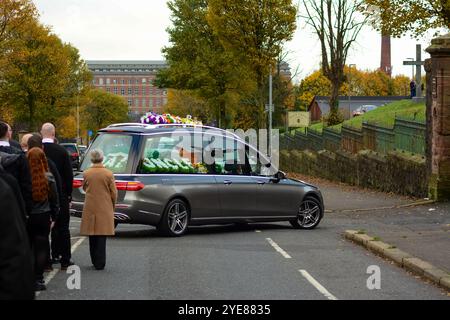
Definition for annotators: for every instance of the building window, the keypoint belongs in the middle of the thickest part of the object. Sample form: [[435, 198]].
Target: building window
[[108, 81], [114, 81], [108, 89], [143, 103], [144, 80], [137, 81], [130, 81], [136, 91], [136, 102], [130, 102], [100, 81], [130, 91], [122, 81], [122, 91], [143, 91], [151, 103], [115, 90]]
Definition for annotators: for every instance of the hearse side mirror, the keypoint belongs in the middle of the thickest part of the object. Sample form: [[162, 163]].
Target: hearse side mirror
[[280, 175]]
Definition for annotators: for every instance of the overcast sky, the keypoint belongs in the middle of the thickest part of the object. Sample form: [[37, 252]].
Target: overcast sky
[[136, 30]]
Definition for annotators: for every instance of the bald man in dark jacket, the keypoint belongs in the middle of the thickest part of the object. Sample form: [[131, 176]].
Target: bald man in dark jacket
[[61, 245]]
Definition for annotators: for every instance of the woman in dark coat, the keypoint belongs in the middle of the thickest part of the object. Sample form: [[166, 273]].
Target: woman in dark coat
[[44, 211]]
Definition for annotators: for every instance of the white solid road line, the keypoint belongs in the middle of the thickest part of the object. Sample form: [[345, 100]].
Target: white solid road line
[[317, 285], [52, 274], [278, 248]]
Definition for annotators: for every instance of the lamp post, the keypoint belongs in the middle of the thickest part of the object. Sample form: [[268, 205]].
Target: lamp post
[[78, 114], [350, 66]]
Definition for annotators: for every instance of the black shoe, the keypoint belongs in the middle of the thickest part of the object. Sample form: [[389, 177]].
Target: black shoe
[[39, 286], [64, 266], [48, 268], [56, 260]]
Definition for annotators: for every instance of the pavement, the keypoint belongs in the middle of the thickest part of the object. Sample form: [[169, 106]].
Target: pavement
[[421, 230], [269, 261]]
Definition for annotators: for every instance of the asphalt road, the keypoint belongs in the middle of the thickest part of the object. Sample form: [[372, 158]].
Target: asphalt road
[[258, 261]]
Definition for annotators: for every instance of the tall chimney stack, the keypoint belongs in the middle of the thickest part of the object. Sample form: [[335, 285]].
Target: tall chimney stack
[[385, 65]]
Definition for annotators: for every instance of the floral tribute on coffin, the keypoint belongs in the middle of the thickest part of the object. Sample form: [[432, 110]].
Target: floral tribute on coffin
[[154, 118]]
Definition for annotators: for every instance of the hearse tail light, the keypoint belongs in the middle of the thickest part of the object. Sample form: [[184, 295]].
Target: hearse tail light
[[77, 183], [129, 185]]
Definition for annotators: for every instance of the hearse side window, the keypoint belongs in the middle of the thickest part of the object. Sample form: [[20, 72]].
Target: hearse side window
[[230, 159], [116, 150], [172, 154]]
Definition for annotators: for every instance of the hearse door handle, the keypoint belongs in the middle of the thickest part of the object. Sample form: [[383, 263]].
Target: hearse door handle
[[228, 182], [261, 182]]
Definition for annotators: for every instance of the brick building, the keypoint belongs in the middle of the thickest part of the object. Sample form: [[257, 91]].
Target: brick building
[[132, 80]]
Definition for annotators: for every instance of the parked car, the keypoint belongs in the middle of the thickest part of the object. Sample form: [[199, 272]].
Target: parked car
[[363, 109], [164, 180], [74, 153], [82, 150]]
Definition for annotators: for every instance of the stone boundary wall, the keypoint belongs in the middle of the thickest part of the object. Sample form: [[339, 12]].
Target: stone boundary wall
[[395, 171]]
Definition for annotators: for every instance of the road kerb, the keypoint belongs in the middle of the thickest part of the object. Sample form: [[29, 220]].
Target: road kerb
[[435, 274], [417, 265], [396, 255], [403, 259], [445, 282]]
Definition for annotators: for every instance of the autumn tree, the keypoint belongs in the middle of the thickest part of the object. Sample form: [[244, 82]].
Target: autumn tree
[[36, 69], [14, 14], [254, 32], [199, 63], [184, 102], [42, 78], [104, 109], [399, 17], [358, 83], [337, 26]]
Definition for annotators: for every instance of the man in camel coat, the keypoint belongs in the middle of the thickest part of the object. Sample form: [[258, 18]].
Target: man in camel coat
[[97, 220]]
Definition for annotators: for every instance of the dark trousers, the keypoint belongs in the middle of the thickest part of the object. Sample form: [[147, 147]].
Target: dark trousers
[[38, 231], [97, 249], [61, 246]]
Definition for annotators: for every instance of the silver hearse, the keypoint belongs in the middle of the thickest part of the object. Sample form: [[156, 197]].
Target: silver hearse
[[175, 176]]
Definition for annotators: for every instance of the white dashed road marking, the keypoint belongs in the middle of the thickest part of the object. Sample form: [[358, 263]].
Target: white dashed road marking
[[278, 248], [317, 285], [52, 274]]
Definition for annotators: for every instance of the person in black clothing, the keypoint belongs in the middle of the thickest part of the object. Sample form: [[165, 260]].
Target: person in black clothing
[[44, 213], [17, 168], [61, 246], [35, 141], [14, 144], [16, 265]]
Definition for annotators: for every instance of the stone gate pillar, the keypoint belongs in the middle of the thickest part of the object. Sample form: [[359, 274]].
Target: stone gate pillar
[[438, 117]]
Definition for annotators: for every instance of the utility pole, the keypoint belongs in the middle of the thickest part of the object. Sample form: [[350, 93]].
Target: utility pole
[[350, 66], [78, 121], [270, 112]]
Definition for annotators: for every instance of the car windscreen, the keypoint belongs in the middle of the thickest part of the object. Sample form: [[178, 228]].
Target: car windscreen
[[116, 150]]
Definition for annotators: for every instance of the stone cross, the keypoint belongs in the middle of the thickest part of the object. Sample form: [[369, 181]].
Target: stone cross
[[418, 63]]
